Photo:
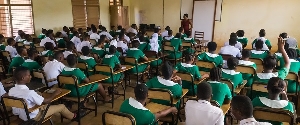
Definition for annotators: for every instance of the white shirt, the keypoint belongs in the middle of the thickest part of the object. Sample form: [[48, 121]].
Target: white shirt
[[2, 90], [231, 50], [90, 32], [201, 112], [237, 45], [82, 44], [12, 51], [169, 37], [26, 42], [31, 98], [252, 121], [47, 39], [95, 36], [265, 47], [132, 30], [165, 33], [66, 53], [17, 38], [64, 34], [52, 69], [122, 45], [127, 38], [75, 40], [106, 34]]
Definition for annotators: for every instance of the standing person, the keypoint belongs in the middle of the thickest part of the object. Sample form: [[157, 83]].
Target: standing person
[[185, 23]]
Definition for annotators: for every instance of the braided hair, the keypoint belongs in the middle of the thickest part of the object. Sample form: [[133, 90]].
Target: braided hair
[[269, 62], [276, 85], [215, 74], [292, 53], [232, 62], [167, 70]]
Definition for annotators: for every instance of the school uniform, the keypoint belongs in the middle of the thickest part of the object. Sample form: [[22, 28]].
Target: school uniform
[[118, 32], [231, 50], [132, 30], [259, 54], [201, 112], [106, 34], [17, 38], [21, 40], [276, 104], [41, 36], [112, 33], [28, 43], [220, 91], [235, 77], [183, 35], [112, 61], [47, 39], [147, 39], [243, 40], [31, 64], [16, 62], [169, 37], [52, 69], [252, 121], [76, 40], [32, 99], [71, 35], [189, 40], [95, 36], [2, 47], [192, 69], [90, 32], [47, 53], [292, 43], [99, 51], [126, 38], [248, 77], [82, 44], [83, 91], [137, 54], [238, 45], [144, 46], [279, 58], [266, 45], [66, 53], [90, 61], [123, 46], [64, 34], [294, 67], [142, 115], [165, 33], [106, 48], [2, 90], [215, 58], [61, 43], [177, 43], [12, 51]]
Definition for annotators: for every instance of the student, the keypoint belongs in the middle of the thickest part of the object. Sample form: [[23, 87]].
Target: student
[[231, 50], [80, 31], [65, 31], [122, 43], [242, 110], [294, 67], [137, 54], [188, 67], [113, 61], [100, 28], [81, 77], [238, 45], [53, 68], [70, 49], [104, 32], [211, 56], [262, 34], [49, 38], [170, 35], [18, 59], [22, 77], [132, 29], [61, 43], [118, 31], [99, 49], [18, 36], [43, 34], [259, 52], [245, 62], [144, 34], [200, 111], [183, 35], [165, 33], [22, 38], [277, 97], [71, 32], [76, 40], [94, 35], [243, 40], [89, 31], [144, 45], [2, 39], [155, 37], [28, 40], [90, 61], [112, 31], [30, 63], [177, 43], [220, 91], [85, 42], [126, 38], [11, 47], [168, 81], [135, 107], [230, 74], [49, 50]]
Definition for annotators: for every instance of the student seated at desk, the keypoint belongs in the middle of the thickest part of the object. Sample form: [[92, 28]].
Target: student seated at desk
[[177, 43], [80, 31], [94, 35], [235, 77], [170, 36], [144, 45], [132, 29], [112, 31], [49, 49], [104, 32], [183, 35], [85, 42], [138, 55], [99, 49], [188, 38], [113, 61], [18, 36], [243, 40], [259, 52], [89, 30], [70, 49], [71, 32], [11, 47], [49, 38], [165, 33], [90, 61], [22, 38], [242, 110], [118, 31], [267, 43], [188, 67], [42, 35], [277, 97], [211, 56], [28, 40], [167, 81], [230, 49], [76, 40], [237, 45], [65, 31], [2, 39], [18, 60], [122, 43], [30, 63], [294, 67], [200, 111], [81, 77], [61, 43], [135, 107], [23, 77], [53, 68], [245, 62]]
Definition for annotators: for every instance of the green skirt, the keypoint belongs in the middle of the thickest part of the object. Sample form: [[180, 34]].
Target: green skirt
[[83, 91]]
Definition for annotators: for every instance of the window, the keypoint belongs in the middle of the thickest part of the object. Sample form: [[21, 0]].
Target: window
[[116, 2], [16, 15], [85, 13]]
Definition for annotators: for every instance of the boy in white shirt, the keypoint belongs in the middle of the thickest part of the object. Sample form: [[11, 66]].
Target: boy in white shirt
[[94, 35], [237, 45], [49, 38], [89, 30], [65, 31], [104, 32], [18, 36], [121, 43], [70, 49], [165, 33], [85, 42], [170, 35], [132, 29], [53, 68], [11, 47], [231, 50], [76, 40]]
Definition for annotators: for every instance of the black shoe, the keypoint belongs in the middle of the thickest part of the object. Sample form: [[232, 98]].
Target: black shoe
[[81, 114]]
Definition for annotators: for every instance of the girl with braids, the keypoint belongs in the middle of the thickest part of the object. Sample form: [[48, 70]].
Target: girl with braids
[[276, 89], [167, 81], [221, 92], [292, 53], [262, 34], [188, 67], [235, 77]]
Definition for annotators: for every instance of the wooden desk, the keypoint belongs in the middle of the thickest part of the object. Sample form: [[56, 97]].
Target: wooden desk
[[239, 88], [199, 81], [225, 108], [154, 107], [184, 92], [97, 78], [149, 60], [123, 70], [260, 87]]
